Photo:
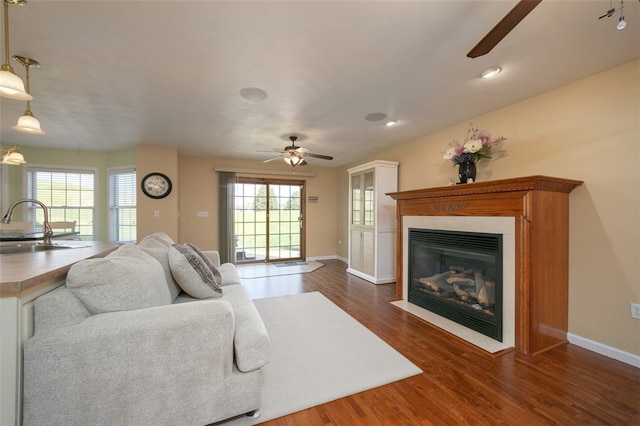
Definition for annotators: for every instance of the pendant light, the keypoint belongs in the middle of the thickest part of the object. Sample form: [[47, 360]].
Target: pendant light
[[13, 157], [28, 123], [11, 86]]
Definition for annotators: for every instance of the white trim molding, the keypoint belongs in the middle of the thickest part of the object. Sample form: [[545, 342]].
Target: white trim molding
[[295, 173], [602, 349]]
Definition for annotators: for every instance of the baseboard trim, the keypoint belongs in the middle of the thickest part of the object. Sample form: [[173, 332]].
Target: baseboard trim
[[602, 349], [369, 278], [332, 257]]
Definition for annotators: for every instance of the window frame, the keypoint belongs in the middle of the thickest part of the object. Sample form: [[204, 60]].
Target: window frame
[[111, 209], [30, 209]]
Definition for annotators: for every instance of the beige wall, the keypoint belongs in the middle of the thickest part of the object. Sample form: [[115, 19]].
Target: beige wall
[[157, 214], [199, 192], [196, 190], [590, 131]]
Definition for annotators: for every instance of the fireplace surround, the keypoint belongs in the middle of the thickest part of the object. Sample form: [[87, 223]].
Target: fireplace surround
[[539, 206]]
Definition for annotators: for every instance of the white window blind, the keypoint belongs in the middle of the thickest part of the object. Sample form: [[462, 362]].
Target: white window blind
[[69, 195], [122, 205]]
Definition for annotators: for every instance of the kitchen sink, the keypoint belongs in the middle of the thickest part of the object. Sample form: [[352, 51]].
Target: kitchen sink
[[32, 247]]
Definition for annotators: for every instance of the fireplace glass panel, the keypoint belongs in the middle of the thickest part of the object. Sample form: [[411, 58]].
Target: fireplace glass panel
[[458, 275]]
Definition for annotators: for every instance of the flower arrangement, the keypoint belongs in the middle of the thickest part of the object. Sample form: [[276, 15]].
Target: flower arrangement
[[476, 146]]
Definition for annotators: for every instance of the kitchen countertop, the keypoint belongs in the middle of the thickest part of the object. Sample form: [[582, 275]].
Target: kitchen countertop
[[22, 271]]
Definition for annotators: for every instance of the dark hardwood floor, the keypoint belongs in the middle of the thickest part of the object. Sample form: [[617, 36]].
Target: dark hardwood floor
[[460, 384]]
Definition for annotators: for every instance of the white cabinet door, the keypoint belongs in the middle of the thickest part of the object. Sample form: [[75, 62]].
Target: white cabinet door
[[372, 221]]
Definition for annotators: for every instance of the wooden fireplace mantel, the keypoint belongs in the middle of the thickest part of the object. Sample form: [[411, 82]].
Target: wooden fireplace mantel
[[540, 206]]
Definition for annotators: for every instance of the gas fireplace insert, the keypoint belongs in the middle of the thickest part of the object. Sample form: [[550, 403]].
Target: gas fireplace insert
[[458, 275]]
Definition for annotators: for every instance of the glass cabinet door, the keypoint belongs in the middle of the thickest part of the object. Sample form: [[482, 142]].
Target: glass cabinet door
[[369, 199], [356, 200]]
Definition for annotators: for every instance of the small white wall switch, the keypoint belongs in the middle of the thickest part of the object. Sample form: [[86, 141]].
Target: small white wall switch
[[203, 214], [156, 213]]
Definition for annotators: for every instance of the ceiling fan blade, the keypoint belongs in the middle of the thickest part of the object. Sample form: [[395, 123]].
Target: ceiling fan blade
[[302, 150], [324, 157], [513, 18], [272, 159]]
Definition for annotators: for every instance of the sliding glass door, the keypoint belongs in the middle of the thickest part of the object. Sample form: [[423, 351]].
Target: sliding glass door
[[269, 219]]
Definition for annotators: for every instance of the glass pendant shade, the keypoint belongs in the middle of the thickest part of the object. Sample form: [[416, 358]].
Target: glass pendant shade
[[11, 86], [292, 160], [13, 159], [28, 124]]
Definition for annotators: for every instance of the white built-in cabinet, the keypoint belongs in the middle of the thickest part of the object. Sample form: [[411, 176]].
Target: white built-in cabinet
[[372, 221]]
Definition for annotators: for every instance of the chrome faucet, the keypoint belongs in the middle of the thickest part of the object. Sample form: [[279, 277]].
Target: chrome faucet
[[48, 232]]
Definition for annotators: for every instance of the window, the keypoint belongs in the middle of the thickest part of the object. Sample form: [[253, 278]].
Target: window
[[122, 205], [269, 215], [69, 195]]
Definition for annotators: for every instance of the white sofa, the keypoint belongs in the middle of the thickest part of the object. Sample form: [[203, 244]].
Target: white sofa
[[122, 344]]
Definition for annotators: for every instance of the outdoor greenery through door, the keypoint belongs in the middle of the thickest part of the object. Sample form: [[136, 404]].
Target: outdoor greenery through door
[[269, 219]]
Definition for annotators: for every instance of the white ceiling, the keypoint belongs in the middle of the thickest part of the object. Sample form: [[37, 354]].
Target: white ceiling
[[119, 73]]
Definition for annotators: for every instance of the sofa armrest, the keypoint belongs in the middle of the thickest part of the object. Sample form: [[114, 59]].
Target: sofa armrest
[[251, 342], [129, 367], [214, 257]]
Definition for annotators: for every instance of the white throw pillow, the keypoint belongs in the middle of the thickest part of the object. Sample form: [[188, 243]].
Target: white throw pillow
[[190, 269], [126, 279]]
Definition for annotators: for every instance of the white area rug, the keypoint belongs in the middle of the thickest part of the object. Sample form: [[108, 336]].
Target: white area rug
[[319, 354], [258, 270]]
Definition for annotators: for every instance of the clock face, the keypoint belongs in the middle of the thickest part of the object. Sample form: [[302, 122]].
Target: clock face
[[156, 185]]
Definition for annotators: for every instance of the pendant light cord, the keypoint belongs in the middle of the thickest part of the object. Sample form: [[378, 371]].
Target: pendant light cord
[[5, 6]]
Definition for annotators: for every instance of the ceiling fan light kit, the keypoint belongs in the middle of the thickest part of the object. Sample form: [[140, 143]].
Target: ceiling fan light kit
[[295, 155], [292, 159]]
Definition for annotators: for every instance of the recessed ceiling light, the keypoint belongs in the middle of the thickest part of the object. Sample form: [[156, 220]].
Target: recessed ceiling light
[[391, 123], [253, 94], [491, 72]]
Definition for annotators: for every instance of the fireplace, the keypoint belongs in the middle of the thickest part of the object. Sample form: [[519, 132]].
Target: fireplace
[[535, 255], [458, 275]]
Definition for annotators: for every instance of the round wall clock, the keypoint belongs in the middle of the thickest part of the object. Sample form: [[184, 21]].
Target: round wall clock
[[156, 185]]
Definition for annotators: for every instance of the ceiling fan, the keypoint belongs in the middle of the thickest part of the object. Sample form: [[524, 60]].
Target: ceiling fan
[[509, 22], [295, 155]]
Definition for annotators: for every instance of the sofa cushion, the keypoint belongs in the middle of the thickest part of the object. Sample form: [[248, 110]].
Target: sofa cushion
[[158, 249], [126, 279], [58, 308], [192, 272], [160, 237]]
